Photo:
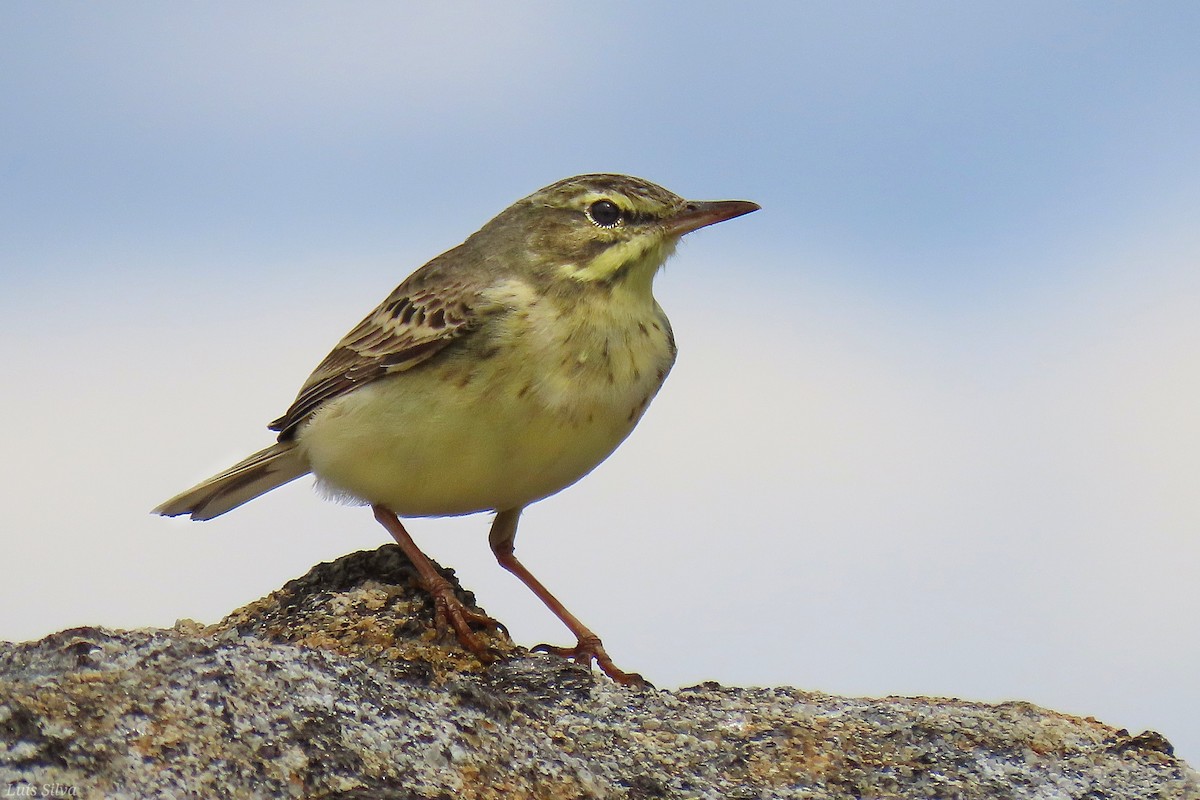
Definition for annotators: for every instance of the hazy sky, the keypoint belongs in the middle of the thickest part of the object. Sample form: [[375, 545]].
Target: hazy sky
[[935, 426]]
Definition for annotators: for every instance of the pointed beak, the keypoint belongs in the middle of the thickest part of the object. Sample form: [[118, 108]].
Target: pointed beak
[[698, 214]]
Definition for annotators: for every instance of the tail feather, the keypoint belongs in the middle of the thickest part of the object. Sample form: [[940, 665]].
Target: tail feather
[[265, 470]]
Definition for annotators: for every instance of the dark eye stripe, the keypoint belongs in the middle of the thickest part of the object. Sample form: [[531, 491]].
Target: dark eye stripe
[[608, 214]]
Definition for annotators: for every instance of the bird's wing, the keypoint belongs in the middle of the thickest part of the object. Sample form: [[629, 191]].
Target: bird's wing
[[408, 328]]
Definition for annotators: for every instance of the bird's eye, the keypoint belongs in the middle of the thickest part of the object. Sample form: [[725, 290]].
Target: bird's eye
[[604, 213]]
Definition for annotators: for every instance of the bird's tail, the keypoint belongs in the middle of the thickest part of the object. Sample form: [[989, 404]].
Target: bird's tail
[[244, 481]]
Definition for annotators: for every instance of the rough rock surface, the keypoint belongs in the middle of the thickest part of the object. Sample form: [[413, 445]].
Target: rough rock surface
[[335, 686]]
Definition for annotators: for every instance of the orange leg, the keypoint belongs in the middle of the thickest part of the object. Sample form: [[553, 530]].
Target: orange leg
[[588, 646], [447, 608]]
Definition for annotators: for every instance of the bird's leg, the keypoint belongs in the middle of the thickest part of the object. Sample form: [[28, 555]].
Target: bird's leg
[[447, 608], [588, 646]]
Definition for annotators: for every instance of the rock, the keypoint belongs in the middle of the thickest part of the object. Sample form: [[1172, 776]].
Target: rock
[[335, 686]]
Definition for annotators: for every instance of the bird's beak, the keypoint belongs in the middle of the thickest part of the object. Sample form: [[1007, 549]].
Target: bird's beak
[[697, 214]]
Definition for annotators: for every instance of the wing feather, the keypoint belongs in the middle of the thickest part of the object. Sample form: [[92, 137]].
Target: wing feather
[[412, 325]]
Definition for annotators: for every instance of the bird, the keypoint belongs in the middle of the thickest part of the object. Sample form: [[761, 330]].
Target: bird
[[497, 374]]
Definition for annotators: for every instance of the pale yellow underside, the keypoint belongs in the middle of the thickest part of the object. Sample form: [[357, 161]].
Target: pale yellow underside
[[465, 434]]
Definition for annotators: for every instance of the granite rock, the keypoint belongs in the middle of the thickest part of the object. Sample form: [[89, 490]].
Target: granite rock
[[337, 686]]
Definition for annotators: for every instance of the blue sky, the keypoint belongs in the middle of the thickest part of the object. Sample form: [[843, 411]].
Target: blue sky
[[933, 429]]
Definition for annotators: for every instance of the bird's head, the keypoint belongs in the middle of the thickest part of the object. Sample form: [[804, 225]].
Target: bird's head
[[608, 229]]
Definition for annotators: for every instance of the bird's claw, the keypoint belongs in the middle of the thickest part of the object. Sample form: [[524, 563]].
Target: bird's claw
[[450, 613], [588, 649]]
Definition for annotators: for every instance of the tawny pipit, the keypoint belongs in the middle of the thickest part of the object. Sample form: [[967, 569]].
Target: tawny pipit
[[497, 374]]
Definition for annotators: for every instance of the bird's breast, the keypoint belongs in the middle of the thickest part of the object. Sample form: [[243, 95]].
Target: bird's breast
[[543, 394], [588, 357]]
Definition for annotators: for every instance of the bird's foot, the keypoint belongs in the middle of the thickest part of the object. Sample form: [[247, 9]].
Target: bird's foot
[[588, 649], [450, 612]]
